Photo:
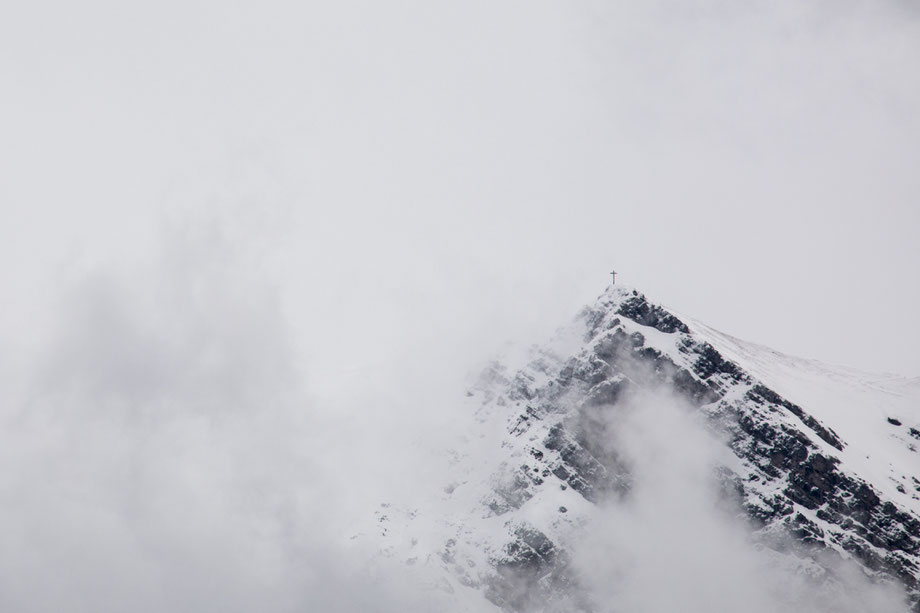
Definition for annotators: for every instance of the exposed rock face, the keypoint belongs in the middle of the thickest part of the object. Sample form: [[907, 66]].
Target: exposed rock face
[[638, 309], [790, 473]]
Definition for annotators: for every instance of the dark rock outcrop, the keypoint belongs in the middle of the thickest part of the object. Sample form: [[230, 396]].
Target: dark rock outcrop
[[792, 478]]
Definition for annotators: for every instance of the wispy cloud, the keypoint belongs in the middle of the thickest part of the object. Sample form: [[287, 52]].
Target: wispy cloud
[[680, 542]]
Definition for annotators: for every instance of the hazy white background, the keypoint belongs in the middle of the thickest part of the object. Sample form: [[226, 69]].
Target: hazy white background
[[241, 241], [461, 168]]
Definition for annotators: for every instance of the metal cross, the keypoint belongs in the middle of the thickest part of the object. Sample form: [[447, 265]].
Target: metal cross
[[613, 274]]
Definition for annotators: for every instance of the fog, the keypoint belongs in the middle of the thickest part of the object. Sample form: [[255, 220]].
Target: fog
[[682, 544], [163, 456], [251, 253]]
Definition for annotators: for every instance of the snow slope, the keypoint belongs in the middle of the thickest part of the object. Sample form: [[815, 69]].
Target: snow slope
[[856, 404]]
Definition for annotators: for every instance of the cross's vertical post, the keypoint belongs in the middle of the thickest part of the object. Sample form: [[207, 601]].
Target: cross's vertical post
[[613, 274]]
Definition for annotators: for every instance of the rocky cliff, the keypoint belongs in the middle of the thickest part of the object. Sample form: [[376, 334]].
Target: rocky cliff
[[809, 476]]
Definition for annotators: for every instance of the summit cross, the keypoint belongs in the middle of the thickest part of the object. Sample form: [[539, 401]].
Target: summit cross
[[613, 274]]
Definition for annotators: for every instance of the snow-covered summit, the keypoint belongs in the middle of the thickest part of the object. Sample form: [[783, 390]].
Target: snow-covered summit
[[825, 456]]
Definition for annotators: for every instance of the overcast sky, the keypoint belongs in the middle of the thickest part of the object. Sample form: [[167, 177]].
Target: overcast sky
[[474, 170]]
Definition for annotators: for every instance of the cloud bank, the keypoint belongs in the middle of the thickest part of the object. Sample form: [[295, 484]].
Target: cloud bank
[[677, 542]]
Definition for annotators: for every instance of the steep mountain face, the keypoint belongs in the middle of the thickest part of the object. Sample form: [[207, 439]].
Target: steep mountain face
[[820, 459]]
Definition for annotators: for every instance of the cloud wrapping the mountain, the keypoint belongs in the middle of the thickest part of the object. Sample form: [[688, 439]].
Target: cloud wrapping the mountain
[[678, 540], [162, 454]]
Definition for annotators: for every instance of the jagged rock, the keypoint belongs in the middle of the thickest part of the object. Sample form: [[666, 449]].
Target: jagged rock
[[789, 474], [638, 309]]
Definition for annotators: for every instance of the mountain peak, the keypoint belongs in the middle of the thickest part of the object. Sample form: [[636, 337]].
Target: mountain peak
[[556, 454], [632, 304]]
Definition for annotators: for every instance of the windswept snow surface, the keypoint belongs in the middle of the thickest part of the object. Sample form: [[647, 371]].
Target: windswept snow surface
[[877, 415]]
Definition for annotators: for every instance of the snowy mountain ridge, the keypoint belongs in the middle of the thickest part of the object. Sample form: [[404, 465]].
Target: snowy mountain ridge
[[816, 459]]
